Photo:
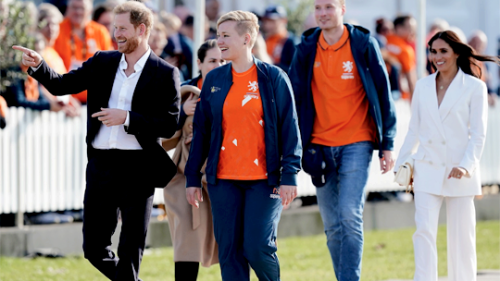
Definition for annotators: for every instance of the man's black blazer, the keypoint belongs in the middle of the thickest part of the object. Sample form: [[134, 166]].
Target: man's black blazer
[[155, 105]]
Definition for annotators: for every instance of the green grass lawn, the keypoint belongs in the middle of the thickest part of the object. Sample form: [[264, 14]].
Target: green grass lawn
[[387, 255]]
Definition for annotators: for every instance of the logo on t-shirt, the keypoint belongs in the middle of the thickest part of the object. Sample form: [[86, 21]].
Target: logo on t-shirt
[[317, 64], [348, 66], [248, 97], [253, 86]]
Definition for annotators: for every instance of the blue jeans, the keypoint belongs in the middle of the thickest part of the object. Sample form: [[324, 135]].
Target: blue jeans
[[341, 201], [246, 216]]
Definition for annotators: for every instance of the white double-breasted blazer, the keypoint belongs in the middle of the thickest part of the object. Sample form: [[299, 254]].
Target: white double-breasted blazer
[[446, 136]]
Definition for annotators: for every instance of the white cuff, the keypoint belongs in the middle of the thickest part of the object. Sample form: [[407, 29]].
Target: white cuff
[[35, 69], [127, 120]]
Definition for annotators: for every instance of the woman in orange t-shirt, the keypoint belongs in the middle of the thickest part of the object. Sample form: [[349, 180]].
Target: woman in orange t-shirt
[[245, 125]]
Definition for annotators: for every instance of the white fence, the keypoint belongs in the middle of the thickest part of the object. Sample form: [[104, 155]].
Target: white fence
[[43, 159]]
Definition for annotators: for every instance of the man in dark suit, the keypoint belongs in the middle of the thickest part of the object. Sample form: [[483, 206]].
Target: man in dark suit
[[133, 100]]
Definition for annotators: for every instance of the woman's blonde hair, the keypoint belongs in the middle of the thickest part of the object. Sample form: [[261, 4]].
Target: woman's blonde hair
[[246, 22], [139, 14]]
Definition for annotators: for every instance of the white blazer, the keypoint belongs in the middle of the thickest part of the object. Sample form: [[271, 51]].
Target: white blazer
[[451, 135]]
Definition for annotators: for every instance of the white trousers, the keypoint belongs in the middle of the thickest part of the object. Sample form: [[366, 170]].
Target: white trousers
[[461, 236]]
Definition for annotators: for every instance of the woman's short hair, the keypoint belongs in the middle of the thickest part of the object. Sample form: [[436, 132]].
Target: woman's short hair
[[139, 14], [207, 45], [246, 22]]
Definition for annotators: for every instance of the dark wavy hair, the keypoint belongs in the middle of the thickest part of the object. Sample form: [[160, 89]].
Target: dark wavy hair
[[207, 45], [467, 56]]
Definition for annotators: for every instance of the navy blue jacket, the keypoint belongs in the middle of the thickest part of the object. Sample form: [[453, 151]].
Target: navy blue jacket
[[373, 74], [282, 137]]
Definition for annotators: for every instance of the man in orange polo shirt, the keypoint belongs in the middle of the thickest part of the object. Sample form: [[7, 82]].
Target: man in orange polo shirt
[[345, 111], [398, 45], [80, 37]]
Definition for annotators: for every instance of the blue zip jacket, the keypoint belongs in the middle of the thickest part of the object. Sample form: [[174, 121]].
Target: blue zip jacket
[[373, 74], [282, 137]]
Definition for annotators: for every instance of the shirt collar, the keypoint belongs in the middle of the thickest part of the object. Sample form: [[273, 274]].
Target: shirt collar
[[324, 45], [139, 65]]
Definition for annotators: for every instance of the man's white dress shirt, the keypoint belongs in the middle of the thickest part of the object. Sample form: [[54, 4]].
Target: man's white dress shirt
[[121, 98]]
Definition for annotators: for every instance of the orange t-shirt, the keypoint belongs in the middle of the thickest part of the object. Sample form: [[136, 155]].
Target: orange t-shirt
[[275, 46], [74, 51], [243, 151], [341, 104], [403, 51], [405, 54]]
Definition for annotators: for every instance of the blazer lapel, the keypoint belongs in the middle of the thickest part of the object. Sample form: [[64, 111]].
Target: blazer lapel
[[146, 75], [452, 95], [110, 81], [430, 98]]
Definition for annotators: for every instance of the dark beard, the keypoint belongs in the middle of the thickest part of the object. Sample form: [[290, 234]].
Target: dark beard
[[132, 44]]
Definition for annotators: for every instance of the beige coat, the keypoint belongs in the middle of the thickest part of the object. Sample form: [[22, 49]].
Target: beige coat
[[191, 228]]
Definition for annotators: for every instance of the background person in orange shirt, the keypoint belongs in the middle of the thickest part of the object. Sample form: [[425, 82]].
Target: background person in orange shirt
[[398, 45], [80, 37], [49, 19], [280, 45]]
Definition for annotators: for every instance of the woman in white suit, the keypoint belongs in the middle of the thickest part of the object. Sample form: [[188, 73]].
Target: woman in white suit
[[446, 139]]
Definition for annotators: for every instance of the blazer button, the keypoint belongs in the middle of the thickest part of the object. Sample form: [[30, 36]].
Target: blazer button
[[430, 141], [444, 164], [430, 162], [444, 142]]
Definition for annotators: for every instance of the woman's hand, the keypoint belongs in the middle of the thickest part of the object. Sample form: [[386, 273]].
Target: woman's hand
[[194, 196], [287, 194], [189, 105], [457, 172]]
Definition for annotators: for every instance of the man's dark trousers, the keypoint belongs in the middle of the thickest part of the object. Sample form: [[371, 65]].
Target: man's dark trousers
[[115, 188]]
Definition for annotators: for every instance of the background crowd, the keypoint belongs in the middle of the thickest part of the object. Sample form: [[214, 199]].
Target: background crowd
[[67, 33]]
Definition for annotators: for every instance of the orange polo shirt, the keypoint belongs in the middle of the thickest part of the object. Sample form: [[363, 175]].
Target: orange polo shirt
[[243, 152], [341, 104], [274, 45], [74, 51], [403, 51]]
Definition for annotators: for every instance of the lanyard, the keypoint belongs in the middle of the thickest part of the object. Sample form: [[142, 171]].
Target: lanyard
[[73, 45]]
